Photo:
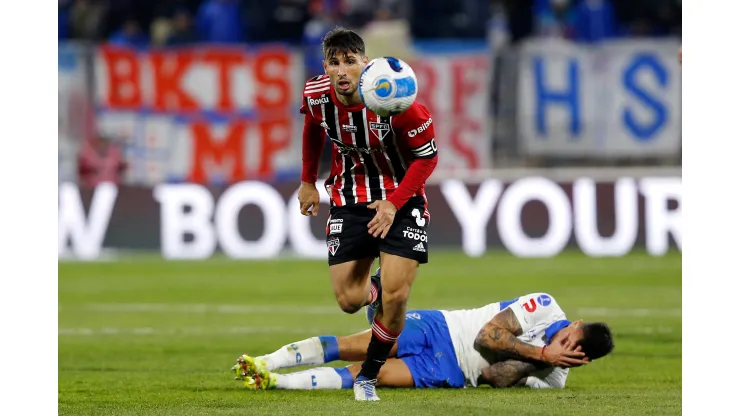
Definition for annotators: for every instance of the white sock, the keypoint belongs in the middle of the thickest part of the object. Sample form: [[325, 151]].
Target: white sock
[[326, 378], [312, 351]]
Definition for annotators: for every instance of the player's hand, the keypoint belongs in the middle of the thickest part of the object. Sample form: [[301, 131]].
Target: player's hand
[[308, 198], [564, 355], [381, 224]]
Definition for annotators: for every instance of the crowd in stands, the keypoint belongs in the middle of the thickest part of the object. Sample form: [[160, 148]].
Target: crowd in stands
[[145, 23]]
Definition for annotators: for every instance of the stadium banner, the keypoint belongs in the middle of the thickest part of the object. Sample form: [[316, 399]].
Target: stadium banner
[[528, 217], [217, 115], [73, 98], [616, 99]]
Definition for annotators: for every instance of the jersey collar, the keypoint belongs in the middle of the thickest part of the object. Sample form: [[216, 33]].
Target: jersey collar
[[350, 109], [554, 328]]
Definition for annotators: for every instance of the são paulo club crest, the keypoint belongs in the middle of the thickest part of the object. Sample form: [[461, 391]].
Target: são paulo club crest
[[333, 245]]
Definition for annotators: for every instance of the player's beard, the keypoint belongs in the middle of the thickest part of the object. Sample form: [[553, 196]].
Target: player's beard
[[349, 92]]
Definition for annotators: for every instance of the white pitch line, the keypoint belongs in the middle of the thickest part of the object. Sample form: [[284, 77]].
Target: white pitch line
[[246, 330], [630, 312], [148, 331], [320, 309]]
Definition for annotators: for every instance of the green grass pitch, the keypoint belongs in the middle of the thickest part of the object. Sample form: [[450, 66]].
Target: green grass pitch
[[150, 337]]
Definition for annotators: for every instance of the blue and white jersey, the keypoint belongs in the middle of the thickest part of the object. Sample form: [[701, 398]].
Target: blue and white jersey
[[540, 317]]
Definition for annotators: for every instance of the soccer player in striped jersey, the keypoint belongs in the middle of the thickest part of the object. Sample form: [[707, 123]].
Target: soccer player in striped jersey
[[376, 186], [524, 341]]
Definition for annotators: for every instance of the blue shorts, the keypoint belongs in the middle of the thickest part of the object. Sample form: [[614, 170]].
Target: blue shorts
[[426, 348]]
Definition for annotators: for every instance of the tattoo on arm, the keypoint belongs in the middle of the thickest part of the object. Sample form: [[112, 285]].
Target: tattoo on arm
[[499, 336], [506, 373]]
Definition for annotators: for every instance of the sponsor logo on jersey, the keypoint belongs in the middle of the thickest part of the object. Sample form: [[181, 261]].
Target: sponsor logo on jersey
[[318, 101], [335, 229], [420, 129], [544, 300], [349, 128], [332, 244], [346, 149], [530, 306], [411, 235]]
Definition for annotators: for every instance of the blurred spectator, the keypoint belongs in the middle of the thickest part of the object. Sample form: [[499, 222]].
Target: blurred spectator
[[86, 19], [64, 26], [220, 21], [387, 35], [595, 21], [100, 160], [130, 34], [556, 18], [183, 32]]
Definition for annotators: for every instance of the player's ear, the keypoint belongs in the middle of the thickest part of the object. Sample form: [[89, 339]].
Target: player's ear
[[577, 323], [323, 63], [365, 59]]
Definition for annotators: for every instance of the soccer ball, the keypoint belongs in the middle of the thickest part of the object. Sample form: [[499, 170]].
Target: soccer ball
[[388, 86]]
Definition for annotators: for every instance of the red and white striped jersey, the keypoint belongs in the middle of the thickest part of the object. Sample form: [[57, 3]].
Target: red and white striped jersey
[[371, 154]]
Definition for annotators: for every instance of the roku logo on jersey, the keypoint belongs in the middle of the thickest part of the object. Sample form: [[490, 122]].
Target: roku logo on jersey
[[319, 101], [421, 128]]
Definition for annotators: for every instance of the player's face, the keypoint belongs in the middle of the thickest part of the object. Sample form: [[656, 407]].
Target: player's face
[[570, 334], [344, 71]]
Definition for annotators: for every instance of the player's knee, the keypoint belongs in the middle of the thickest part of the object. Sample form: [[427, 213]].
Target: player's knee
[[349, 304]]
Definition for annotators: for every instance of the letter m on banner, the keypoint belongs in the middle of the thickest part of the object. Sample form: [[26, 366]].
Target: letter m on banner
[[217, 156]]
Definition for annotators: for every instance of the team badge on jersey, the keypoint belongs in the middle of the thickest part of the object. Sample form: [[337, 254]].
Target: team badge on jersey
[[544, 300], [333, 245], [380, 129]]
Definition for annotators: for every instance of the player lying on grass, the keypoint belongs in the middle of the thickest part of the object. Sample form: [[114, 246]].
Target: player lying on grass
[[525, 341]]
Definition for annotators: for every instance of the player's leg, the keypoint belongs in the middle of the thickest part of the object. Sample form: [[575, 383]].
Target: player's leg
[[401, 252], [314, 351], [351, 283], [397, 276], [352, 252], [394, 374]]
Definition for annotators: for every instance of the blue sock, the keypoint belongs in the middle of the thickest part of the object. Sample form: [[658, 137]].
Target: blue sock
[[347, 381], [331, 348]]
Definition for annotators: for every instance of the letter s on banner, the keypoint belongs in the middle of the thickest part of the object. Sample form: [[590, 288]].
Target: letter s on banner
[[227, 226], [510, 212], [175, 222]]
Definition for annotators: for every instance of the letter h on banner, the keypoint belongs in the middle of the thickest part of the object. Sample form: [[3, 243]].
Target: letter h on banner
[[568, 97]]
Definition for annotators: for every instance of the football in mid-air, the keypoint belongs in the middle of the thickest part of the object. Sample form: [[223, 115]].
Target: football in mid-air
[[388, 86]]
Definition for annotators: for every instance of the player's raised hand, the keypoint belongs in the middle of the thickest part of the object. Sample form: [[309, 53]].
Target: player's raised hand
[[564, 355], [308, 197], [381, 223]]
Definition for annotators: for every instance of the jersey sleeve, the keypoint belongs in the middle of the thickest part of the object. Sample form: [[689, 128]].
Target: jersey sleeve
[[415, 126], [553, 378], [539, 310], [313, 133]]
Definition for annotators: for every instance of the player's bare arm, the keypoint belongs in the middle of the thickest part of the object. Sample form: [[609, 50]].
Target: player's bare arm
[[499, 336], [506, 373]]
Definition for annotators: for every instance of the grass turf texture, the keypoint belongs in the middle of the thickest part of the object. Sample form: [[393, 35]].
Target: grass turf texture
[[149, 337]]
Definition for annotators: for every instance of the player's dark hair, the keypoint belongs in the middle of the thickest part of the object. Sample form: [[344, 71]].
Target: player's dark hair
[[597, 340], [341, 40]]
